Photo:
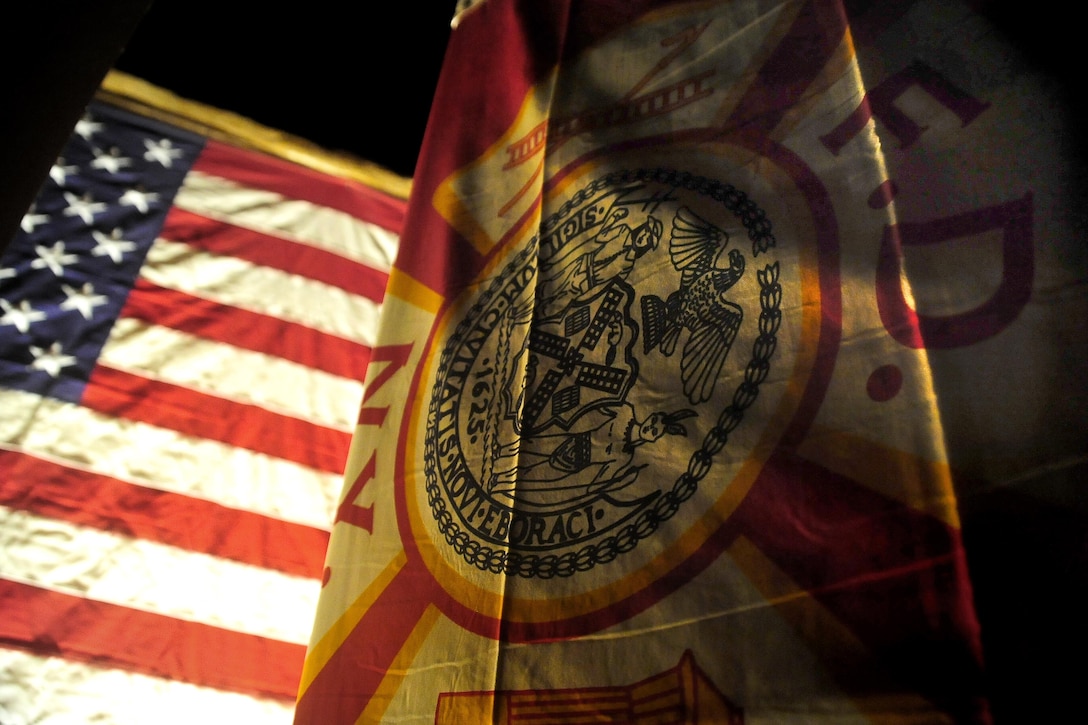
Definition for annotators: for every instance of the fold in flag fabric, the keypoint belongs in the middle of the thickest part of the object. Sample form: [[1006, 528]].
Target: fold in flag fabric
[[707, 319], [184, 334]]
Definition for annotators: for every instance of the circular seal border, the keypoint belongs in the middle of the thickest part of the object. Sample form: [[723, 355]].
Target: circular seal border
[[512, 563]]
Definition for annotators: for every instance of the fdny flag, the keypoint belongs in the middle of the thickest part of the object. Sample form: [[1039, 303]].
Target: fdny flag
[[715, 331]]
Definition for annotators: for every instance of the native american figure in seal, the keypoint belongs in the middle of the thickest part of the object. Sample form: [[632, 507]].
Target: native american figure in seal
[[699, 306]]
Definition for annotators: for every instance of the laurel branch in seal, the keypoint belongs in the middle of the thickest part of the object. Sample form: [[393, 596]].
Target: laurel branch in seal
[[665, 506]]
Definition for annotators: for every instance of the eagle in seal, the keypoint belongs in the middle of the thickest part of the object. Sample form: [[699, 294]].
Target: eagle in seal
[[698, 306]]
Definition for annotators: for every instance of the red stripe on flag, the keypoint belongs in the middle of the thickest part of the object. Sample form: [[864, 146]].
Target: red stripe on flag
[[297, 182], [108, 635], [270, 251], [90, 499], [246, 329], [197, 414]]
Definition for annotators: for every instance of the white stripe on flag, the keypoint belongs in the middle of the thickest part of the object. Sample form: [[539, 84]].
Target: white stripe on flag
[[300, 221], [167, 460], [54, 691], [238, 283], [227, 371], [141, 574]]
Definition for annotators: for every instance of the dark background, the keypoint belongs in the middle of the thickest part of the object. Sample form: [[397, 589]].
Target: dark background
[[347, 76], [350, 77]]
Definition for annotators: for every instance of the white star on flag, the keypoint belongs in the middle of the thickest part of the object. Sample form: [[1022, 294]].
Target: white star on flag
[[31, 220], [162, 151], [59, 172], [84, 299], [52, 361], [111, 245], [21, 316], [87, 127], [139, 199], [83, 207], [112, 160], [54, 258]]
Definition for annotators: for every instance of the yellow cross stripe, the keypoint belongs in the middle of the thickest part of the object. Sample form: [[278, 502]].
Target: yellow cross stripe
[[905, 477], [320, 653]]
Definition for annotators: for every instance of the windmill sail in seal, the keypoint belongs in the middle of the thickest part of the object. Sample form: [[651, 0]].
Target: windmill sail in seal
[[699, 305]]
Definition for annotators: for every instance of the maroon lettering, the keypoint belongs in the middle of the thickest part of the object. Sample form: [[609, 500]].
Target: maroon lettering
[[352, 513], [880, 103], [943, 332], [395, 357]]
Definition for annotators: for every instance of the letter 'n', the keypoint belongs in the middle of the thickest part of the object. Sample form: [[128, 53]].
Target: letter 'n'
[[395, 357]]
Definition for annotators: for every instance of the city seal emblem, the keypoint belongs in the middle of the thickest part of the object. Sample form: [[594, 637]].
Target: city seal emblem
[[591, 384]]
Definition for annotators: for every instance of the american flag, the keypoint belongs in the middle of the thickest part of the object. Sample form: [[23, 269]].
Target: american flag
[[184, 330]]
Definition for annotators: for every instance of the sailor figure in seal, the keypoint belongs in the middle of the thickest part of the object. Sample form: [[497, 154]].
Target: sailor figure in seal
[[698, 306], [578, 269]]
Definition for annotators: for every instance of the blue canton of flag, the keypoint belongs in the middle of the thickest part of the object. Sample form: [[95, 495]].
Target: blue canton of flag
[[65, 277]]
